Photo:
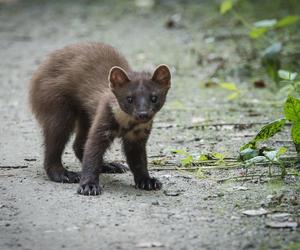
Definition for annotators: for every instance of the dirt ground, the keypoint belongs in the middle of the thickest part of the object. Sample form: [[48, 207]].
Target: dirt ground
[[189, 212]]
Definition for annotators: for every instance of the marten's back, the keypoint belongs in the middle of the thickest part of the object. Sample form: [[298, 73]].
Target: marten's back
[[75, 75]]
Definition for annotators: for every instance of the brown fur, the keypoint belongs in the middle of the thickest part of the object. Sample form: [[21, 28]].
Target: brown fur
[[70, 92]]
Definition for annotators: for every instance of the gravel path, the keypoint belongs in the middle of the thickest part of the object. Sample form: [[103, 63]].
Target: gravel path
[[189, 213]]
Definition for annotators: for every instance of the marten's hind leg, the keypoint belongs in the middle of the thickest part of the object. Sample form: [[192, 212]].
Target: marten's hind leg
[[57, 130], [114, 168]]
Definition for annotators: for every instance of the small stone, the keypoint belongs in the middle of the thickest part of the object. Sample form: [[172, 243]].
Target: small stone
[[255, 212], [282, 224], [240, 188], [279, 216], [149, 244], [172, 193]]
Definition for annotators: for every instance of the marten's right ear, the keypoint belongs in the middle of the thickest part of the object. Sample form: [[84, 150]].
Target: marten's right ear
[[117, 77], [162, 75]]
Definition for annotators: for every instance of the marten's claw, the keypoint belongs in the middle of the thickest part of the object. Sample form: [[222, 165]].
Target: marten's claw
[[89, 189], [148, 184]]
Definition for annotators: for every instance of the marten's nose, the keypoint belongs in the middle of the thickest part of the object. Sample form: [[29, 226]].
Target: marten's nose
[[143, 115]]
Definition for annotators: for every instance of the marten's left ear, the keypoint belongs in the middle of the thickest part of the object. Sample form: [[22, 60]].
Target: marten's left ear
[[117, 77], [162, 75]]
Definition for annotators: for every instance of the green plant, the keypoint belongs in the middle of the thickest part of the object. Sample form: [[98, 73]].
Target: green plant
[[259, 28], [251, 156], [292, 113], [265, 133], [271, 55], [250, 153], [291, 110], [187, 160], [190, 160]]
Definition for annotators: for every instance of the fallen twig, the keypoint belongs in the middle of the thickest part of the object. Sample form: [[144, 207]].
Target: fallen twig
[[203, 125], [6, 175], [224, 163], [14, 167], [156, 156], [196, 168], [236, 125], [251, 176], [230, 163]]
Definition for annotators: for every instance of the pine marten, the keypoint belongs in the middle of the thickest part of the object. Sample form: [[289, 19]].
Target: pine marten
[[90, 89]]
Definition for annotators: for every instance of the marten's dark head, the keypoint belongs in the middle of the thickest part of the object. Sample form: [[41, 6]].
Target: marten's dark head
[[140, 95]]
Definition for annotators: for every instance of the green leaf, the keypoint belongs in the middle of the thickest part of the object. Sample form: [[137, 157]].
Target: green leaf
[[266, 132], [275, 154], [296, 133], [179, 152], [273, 50], [267, 23], [226, 5], [257, 159], [270, 130], [281, 151], [257, 32], [203, 157], [292, 109], [218, 156], [287, 75], [231, 87], [248, 145], [228, 86], [233, 96], [292, 113], [286, 21], [271, 155], [293, 76], [187, 160], [248, 154]]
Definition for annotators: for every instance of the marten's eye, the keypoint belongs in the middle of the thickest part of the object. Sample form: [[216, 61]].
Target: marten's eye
[[154, 98], [129, 99]]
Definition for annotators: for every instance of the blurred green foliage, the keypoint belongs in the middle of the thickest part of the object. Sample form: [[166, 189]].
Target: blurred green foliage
[[276, 34]]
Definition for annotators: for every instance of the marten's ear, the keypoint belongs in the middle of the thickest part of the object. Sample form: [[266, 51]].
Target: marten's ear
[[162, 75], [117, 77]]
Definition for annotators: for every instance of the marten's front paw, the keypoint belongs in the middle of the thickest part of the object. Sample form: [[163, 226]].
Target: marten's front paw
[[148, 183], [89, 189]]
